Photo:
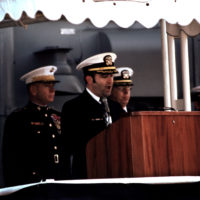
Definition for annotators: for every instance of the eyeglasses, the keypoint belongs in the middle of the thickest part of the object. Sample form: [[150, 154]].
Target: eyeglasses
[[124, 88]]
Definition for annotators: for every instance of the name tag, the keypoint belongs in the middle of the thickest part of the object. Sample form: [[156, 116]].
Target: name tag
[[37, 123], [97, 119]]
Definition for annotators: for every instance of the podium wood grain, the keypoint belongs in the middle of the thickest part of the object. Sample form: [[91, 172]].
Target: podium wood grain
[[146, 144]]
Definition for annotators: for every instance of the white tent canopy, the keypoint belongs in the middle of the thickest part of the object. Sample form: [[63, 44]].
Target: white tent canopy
[[182, 17], [124, 13]]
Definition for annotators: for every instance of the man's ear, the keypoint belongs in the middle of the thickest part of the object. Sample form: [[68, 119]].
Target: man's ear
[[33, 89], [89, 79]]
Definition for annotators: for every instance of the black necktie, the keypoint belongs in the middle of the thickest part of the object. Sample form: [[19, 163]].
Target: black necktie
[[107, 115]]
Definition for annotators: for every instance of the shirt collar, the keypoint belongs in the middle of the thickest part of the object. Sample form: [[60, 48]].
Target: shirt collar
[[95, 97], [125, 108], [37, 106]]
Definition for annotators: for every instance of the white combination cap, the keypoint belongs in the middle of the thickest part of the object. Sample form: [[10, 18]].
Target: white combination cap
[[100, 63], [123, 77], [42, 74], [196, 89], [195, 93]]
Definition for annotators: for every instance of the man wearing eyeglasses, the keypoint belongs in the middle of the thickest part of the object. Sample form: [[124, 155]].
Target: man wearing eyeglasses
[[122, 86]]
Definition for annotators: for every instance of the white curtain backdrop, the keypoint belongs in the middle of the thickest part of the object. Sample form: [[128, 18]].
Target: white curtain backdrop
[[123, 13]]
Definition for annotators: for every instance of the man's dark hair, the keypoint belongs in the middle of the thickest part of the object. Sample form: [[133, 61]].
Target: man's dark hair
[[88, 73]]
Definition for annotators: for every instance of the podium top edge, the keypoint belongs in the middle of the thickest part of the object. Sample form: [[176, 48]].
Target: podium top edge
[[172, 113]]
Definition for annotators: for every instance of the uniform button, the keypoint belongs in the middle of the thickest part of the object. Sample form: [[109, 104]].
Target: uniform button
[[53, 136], [46, 115], [50, 125], [38, 132], [56, 158], [55, 147]]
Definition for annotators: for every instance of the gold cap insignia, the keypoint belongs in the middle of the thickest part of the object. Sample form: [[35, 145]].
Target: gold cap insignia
[[52, 69], [125, 74], [108, 60]]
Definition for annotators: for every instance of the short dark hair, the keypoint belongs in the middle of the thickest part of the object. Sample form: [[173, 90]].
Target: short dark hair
[[88, 73]]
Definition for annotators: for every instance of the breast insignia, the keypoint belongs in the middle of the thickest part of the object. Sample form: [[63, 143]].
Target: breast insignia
[[56, 120]]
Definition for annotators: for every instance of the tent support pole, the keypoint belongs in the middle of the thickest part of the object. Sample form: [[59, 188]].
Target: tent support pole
[[185, 71], [165, 64], [172, 71]]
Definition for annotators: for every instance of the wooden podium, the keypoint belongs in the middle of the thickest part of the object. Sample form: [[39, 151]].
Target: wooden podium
[[148, 143]]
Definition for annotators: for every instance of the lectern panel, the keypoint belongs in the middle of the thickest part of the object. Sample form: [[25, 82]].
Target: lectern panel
[[147, 144]]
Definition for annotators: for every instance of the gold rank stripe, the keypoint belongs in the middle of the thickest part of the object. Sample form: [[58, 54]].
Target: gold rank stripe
[[43, 78], [102, 68], [121, 81], [107, 72]]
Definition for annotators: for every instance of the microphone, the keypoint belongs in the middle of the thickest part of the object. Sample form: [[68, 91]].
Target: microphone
[[105, 102], [107, 115]]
